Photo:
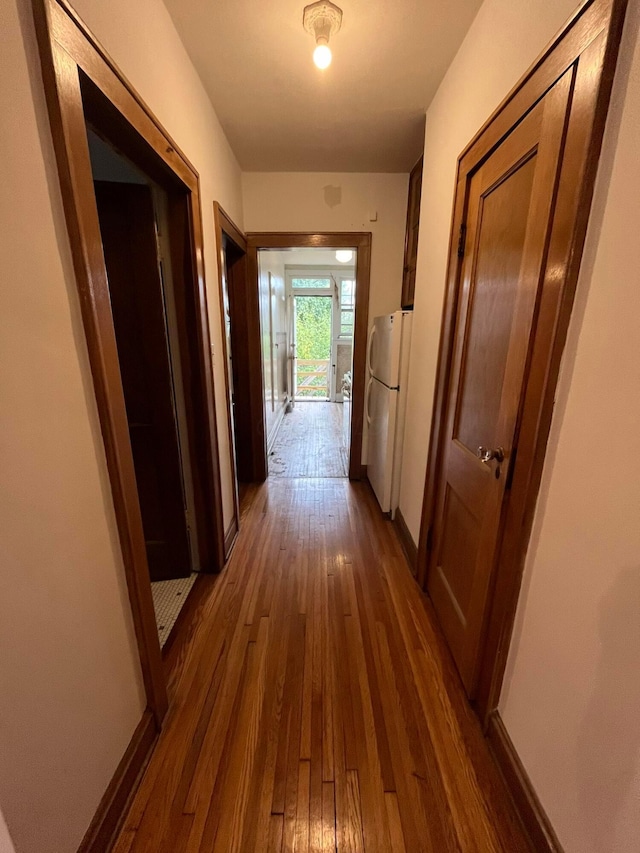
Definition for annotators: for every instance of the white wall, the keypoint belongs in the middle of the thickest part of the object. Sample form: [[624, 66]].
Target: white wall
[[308, 201], [572, 695], [71, 692], [320, 201]]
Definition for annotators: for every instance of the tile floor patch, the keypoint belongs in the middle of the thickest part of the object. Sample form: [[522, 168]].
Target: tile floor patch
[[168, 599]]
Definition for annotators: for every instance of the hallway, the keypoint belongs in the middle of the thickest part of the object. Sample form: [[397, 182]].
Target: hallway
[[310, 442], [312, 705]]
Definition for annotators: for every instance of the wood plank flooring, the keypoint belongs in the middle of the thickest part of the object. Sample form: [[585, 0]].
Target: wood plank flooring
[[310, 443], [313, 705]]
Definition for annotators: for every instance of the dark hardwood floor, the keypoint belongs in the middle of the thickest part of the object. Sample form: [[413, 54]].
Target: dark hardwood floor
[[313, 705]]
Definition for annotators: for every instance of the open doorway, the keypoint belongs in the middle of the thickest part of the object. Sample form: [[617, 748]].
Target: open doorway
[[85, 92], [240, 334], [307, 310], [259, 331], [318, 262], [134, 229]]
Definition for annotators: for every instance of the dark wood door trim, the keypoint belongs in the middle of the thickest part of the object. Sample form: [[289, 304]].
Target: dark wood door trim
[[83, 85], [251, 465], [225, 227], [360, 240], [589, 46]]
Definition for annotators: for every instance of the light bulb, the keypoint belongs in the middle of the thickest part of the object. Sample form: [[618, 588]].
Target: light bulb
[[344, 255], [322, 56]]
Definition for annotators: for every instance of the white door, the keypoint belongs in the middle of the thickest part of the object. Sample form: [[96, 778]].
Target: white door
[[291, 363], [313, 320]]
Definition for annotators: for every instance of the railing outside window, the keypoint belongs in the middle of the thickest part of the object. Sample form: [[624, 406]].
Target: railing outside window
[[312, 378]]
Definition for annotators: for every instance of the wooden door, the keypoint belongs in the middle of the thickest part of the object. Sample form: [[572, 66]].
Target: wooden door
[[127, 227], [411, 236], [510, 202]]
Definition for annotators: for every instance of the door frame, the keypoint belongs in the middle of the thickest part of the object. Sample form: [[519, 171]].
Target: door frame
[[360, 240], [82, 84], [226, 229], [589, 42], [245, 318]]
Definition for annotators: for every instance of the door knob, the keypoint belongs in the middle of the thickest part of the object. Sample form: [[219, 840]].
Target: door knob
[[486, 454]]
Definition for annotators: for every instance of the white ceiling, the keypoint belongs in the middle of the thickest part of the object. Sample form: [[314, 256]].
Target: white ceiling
[[365, 113]]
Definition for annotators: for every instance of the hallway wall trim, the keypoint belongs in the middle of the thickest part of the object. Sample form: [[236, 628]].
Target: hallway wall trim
[[113, 806], [408, 545], [230, 537], [529, 808]]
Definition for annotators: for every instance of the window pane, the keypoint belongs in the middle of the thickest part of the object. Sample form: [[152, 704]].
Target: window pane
[[311, 282], [347, 293], [346, 323]]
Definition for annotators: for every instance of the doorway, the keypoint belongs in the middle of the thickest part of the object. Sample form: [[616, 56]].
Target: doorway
[[291, 274], [240, 331], [135, 241], [312, 328], [307, 358], [77, 74]]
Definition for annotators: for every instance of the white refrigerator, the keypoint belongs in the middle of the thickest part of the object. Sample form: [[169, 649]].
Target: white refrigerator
[[388, 370]]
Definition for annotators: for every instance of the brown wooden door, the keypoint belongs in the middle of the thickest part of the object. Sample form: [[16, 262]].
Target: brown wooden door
[[127, 227], [510, 200], [411, 236]]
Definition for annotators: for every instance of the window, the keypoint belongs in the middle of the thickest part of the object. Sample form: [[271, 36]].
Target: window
[[347, 293], [347, 307], [346, 324], [308, 282]]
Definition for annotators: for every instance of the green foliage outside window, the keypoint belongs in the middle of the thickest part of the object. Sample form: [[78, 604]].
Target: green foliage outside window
[[313, 327], [313, 339]]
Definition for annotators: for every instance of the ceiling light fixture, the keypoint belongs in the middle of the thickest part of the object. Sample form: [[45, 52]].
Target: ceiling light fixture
[[323, 20], [344, 255]]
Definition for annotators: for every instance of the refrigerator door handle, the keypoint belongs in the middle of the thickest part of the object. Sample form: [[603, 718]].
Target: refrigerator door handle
[[366, 401], [373, 331]]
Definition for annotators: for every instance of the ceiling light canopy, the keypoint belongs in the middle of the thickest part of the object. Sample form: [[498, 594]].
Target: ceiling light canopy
[[344, 255], [322, 19]]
